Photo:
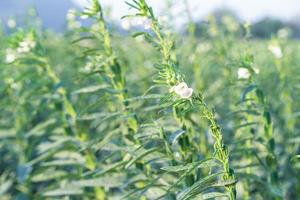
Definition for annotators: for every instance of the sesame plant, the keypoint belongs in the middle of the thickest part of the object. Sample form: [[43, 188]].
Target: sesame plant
[[254, 112], [140, 110], [184, 100]]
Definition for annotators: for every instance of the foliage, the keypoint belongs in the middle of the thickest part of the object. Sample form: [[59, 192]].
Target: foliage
[[98, 115]]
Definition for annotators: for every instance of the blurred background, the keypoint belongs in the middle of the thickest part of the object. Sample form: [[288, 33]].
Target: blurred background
[[266, 17], [63, 136]]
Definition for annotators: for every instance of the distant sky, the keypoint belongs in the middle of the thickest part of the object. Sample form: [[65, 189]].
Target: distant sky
[[53, 12], [248, 10]]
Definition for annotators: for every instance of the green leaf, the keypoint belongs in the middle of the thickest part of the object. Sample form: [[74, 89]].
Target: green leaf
[[63, 192], [248, 90], [211, 195], [39, 129], [83, 38], [138, 34], [48, 175], [109, 168], [110, 181], [205, 163], [145, 97], [90, 89], [70, 109], [260, 96], [7, 133], [132, 6], [5, 186], [247, 125], [92, 116], [175, 136], [140, 156], [198, 187]]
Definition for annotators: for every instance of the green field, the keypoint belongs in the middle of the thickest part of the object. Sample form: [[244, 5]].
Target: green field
[[95, 113]]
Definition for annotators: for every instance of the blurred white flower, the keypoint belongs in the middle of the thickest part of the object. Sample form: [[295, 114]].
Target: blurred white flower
[[10, 56], [283, 33], [275, 50], [126, 24], [71, 15], [88, 68], [84, 16], [26, 45], [230, 23], [11, 23], [182, 90], [15, 86], [243, 73], [73, 23], [23, 49]]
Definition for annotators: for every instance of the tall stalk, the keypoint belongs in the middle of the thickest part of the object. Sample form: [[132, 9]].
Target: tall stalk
[[170, 75]]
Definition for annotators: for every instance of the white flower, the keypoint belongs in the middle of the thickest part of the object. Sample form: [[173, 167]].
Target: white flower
[[84, 16], [283, 33], [26, 45], [182, 90], [187, 93], [230, 23], [15, 86], [11, 23], [71, 15], [276, 50], [24, 49], [243, 73], [126, 24], [88, 67], [10, 56]]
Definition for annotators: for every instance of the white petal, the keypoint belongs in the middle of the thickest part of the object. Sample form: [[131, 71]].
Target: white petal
[[187, 93], [243, 73], [20, 50], [276, 50], [126, 24], [180, 87], [26, 49], [147, 26], [10, 58], [23, 44], [84, 16]]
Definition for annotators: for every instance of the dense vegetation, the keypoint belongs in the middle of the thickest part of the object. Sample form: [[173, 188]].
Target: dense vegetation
[[95, 114]]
